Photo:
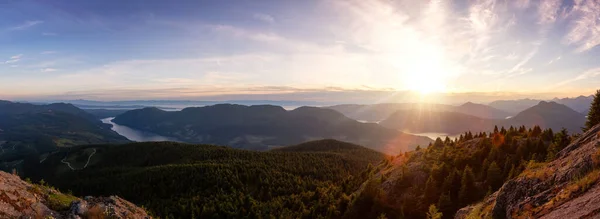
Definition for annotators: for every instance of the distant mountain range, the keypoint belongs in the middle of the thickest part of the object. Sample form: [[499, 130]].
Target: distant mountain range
[[545, 114], [263, 126], [580, 104], [379, 112]]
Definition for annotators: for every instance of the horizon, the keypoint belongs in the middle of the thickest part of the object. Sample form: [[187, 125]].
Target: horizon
[[321, 50]]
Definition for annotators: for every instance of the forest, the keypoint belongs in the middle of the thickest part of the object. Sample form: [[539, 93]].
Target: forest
[[173, 180]]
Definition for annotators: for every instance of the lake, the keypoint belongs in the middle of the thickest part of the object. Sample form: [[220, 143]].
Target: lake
[[134, 134]]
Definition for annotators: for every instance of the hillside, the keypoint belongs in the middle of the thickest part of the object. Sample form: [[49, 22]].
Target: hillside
[[451, 174], [550, 115], [21, 199], [545, 114], [182, 180], [566, 187], [481, 111], [264, 126], [27, 129]]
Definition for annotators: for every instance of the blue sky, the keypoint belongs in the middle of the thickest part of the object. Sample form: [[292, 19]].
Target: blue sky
[[114, 50]]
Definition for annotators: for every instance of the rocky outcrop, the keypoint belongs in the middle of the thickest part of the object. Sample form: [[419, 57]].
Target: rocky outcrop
[[20, 199], [567, 187]]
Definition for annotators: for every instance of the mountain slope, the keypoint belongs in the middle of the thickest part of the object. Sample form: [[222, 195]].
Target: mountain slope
[[25, 200], [550, 115], [451, 174], [432, 121], [264, 126], [482, 111], [379, 112], [181, 180], [27, 129], [567, 187]]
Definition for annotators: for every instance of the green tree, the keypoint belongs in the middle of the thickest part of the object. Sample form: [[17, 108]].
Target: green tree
[[494, 176], [467, 189], [430, 195], [433, 213], [593, 117]]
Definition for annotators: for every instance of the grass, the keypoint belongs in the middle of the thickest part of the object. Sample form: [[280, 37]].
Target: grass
[[570, 191], [59, 201], [536, 170]]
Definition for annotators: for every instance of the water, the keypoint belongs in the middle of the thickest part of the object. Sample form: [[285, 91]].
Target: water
[[134, 134]]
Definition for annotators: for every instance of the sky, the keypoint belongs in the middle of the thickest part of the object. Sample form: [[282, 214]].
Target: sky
[[308, 50]]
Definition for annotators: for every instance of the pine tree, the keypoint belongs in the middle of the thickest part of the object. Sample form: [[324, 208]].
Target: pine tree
[[494, 176], [445, 204], [593, 117], [430, 191], [467, 189]]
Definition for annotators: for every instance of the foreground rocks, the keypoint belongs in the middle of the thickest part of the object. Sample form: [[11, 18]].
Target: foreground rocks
[[568, 187], [20, 199]]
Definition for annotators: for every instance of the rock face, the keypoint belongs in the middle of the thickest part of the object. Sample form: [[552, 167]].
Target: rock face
[[19, 199], [568, 187]]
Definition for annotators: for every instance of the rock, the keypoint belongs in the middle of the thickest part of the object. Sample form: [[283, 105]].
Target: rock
[[19, 199]]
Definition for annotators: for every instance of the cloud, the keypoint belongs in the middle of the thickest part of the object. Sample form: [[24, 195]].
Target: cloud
[[47, 52], [585, 27], [548, 11], [49, 34], [12, 61], [16, 56], [48, 70], [264, 18], [585, 75], [26, 25]]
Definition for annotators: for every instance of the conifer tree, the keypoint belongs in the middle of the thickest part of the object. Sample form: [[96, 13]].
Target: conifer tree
[[494, 176], [467, 188], [593, 117]]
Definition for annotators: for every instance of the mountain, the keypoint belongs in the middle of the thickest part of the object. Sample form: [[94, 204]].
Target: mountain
[[176, 180], [580, 104], [379, 112], [514, 106], [27, 129], [566, 187], [550, 115], [415, 121], [105, 113], [482, 111], [21, 199], [265, 126], [544, 114]]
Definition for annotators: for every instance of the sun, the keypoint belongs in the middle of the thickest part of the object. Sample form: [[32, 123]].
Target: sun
[[426, 78]]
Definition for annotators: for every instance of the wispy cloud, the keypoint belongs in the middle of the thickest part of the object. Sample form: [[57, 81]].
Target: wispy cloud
[[585, 75], [585, 27], [47, 52], [14, 59], [48, 70], [26, 25], [264, 18]]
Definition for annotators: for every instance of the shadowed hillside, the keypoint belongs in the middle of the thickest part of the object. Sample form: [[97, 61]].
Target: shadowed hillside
[[176, 180]]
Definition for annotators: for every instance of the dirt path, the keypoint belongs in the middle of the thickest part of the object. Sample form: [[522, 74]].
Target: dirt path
[[86, 164]]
